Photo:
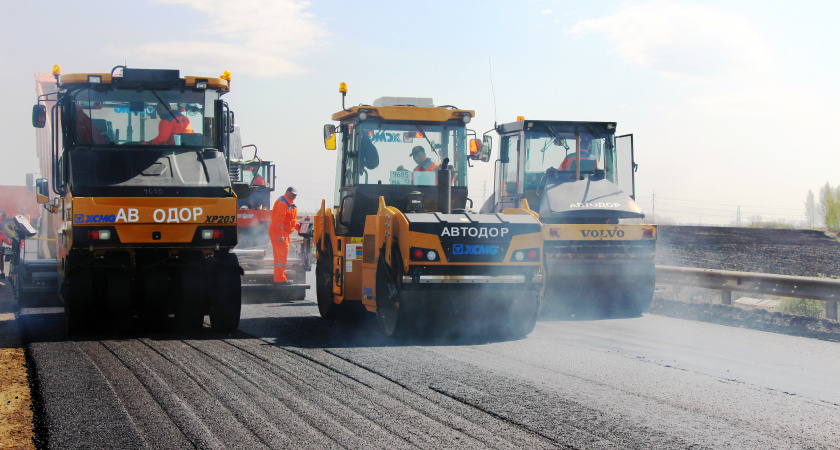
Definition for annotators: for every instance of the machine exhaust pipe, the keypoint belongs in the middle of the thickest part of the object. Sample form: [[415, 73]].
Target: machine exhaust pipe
[[444, 187]]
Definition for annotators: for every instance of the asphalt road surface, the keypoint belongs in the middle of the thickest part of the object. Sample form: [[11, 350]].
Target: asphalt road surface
[[291, 379]]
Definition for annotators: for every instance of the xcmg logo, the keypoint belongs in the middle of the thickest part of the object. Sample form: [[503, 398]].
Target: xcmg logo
[[382, 136], [600, 234], [94, 218], [466, 249]]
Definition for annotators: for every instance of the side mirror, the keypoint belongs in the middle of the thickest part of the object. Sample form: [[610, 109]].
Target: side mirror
[[271, 178], [42, 193], [39, 116], [329, 137], [486, 148]]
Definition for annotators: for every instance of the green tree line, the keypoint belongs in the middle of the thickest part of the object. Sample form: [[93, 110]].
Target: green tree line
[[825, 208]]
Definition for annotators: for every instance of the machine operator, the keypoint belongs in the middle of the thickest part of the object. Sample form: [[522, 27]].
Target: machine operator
[[283, 223]]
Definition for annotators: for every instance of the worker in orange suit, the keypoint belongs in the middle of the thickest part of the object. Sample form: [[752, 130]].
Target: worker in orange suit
[[172, 122], [283, 222]]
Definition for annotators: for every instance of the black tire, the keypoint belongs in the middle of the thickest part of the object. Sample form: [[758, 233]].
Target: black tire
[[390, 310], [324, 288], [118, 299], [17, 289], [523, 314], [189, 310], [224, 315], [78, 304], [155, 301], [639, 301]]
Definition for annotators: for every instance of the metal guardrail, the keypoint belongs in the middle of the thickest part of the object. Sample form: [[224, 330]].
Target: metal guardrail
[[727, 281]]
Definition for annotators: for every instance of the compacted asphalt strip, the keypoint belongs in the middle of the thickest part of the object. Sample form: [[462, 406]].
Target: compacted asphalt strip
[[291, 379]]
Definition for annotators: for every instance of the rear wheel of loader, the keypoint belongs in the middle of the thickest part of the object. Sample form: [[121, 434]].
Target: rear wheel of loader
[[189, 312], [324, 288], [391, 310], [78, 305], [224, 316]]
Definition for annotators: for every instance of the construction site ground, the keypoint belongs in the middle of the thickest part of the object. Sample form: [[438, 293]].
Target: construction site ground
[[16, 429]]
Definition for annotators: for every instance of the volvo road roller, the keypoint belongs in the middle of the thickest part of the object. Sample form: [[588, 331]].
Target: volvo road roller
[[400, 242], [140, 197], [579, 176]]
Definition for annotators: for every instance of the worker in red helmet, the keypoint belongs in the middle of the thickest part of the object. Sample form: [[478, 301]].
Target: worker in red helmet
[[283, 223], [172, 122]]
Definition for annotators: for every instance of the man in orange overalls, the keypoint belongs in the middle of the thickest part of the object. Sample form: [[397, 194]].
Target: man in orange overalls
[[283, 222], [172, 122]]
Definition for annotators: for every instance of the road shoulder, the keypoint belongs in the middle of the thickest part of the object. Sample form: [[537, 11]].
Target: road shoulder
[[16, 417]]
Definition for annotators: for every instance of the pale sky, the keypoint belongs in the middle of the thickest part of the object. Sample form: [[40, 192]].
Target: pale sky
[[731, 103]]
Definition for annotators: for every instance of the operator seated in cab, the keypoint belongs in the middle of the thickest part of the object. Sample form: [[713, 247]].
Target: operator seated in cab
[[172, 122], [424, 163], [588, 161]]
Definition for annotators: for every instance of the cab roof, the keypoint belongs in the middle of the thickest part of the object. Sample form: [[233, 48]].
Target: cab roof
[[134, 77], [407, 113], [560, 125]]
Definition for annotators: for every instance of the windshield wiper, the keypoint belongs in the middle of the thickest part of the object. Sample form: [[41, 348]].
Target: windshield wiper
[[200, 153], [427, 139], [164, 105]]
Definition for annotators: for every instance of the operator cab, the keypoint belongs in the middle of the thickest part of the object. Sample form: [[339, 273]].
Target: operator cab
[[139, 132], [593, 166], [395, 148], [259, 176]]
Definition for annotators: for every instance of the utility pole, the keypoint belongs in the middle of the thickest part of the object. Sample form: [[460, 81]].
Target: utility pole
[[738, 217], [653, 208]]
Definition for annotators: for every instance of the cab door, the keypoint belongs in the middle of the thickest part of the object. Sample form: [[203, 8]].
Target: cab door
[[625, 171], [508, 183]]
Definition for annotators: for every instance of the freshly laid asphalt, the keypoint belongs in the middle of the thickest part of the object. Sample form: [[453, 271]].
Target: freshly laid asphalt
[[291, 379]]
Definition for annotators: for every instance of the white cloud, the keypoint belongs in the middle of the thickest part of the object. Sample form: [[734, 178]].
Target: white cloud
[[547, 11], [255, 37], [683, 41]]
